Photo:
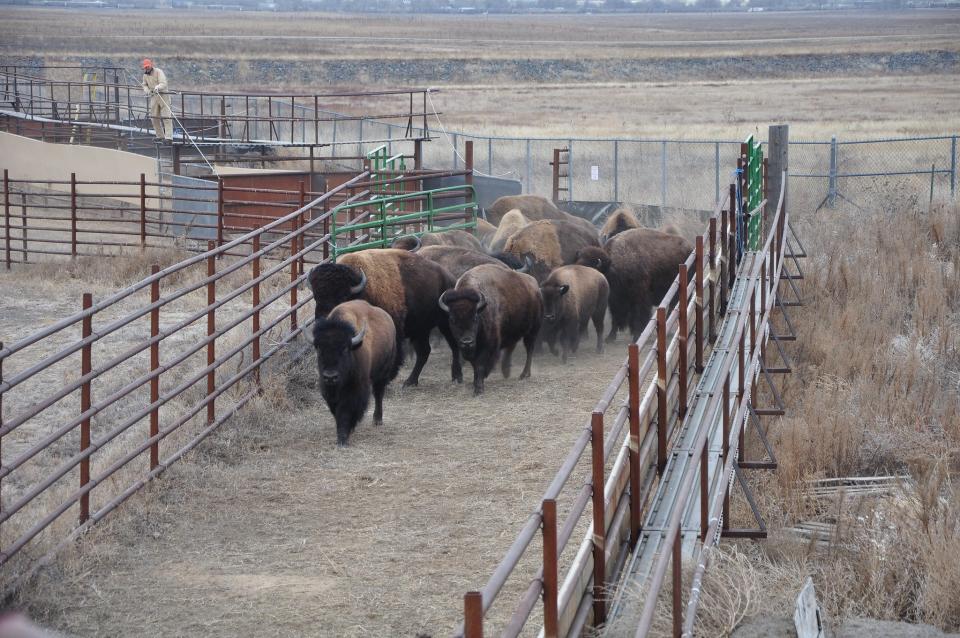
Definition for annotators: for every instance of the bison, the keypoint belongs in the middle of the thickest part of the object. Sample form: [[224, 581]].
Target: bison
[[640, 264], [533, 207], [572, 296], [491, 310], [443, 238], [458, 260], [618, 221], [357, 350], [404, 284], [510, 224], [484, 231], [549, 244]]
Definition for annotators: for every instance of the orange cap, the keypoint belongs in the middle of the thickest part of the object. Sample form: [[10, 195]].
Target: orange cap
[[147, 63]]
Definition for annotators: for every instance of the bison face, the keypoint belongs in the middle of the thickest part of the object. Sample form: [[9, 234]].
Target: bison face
[[593, 257], [332, 284], [553, 300], [335, 342], [465, 308]]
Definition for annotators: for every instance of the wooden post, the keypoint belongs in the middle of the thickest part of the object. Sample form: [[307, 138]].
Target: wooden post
[[473, 615], [211, 330], [143, 211], [23, 227], [551, 581], [154, 368], [85, 367], [711, 285], [555, 164], [255, 318], [724, 260], [677, 585], [633, 379], [418, 154], [732, 238], [698, 303], [725, 403], [73, 215], [599, 522], [468, 161], [778, 153], [682, 331], [220, 221], [661, 390]]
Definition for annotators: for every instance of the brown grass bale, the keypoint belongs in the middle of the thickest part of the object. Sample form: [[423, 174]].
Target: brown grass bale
[[357, 351], [491, 310], [620, 220], [404, 284], [640, 264], [458, 260], [511, 223], [549, 244], [484, 232], [572, 296], [443, 238], [533, 207]]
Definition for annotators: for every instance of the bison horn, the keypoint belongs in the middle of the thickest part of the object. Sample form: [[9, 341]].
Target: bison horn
[[356, 290], [599, 263], [482, 303], [527, 263], [443, 306], [358, 338], [419, 244]]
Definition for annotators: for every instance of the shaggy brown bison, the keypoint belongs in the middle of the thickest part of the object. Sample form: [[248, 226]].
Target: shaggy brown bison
[[458, 260], [619, 221], [492, 309], [444, 238], [549, 244], [357, 350], [404, 284], [533, 207], [510, 224], [572, 296], [640, 264]]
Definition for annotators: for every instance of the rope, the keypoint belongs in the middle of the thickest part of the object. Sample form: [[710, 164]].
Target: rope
[[453, 146]]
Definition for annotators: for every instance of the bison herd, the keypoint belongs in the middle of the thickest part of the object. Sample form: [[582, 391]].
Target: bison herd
[[534, 273]]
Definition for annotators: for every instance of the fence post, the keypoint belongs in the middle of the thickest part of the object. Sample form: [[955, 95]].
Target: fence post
[[683, 330], [73, 215], [616, 170], [6, 213], [570, 170], [143, 211], [211, 330], [779, 155], [473, 615], [741, 377], [832, 185], [599, 522], [417, 153], [219, 213], [255, 317], [633, 379], [468, 161], [326, 231], [677, 585], [661, 389], [551, 620], [698, 300], [725, 404], [953, 166], [302, 221], [732, 231], [663, 173], [23, 226], [85, 366], [716, 162], [556, 175], [154, 368], [293, 271]]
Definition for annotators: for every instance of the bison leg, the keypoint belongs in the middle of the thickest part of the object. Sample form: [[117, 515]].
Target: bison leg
[[528, 342], [639, 318], [421, 345], [347, 419], [505, 361], [378, 391], [598, 324], [456, 368], [478, 376]]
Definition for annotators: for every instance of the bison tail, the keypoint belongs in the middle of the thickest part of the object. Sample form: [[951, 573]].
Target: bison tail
[[398, 360]]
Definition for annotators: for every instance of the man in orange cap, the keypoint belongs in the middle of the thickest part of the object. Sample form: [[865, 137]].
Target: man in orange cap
[[155, 86]]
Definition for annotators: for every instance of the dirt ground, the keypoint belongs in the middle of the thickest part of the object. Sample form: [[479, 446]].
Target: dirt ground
[[270, 528]]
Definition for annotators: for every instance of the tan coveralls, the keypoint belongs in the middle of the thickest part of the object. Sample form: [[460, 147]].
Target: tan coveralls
[[153, 83]]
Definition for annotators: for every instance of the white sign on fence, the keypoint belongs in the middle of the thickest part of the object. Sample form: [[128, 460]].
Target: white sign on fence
[[595, 173]]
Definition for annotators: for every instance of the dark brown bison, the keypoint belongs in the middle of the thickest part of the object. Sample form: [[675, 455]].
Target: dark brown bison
[[444, 238], [357, 350], [458, 260], [510, 224], [572, 296], [533, 207], [640, 264], [549, 244], [619, 221], [404, 284], [491, 310]]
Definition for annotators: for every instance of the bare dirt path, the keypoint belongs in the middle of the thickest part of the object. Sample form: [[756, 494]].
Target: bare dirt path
[[271, 530]]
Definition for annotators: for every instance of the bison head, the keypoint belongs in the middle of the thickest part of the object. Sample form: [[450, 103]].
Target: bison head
[[332, 284], [552, 294], [593, 257], [335, 342], [464, 308]]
